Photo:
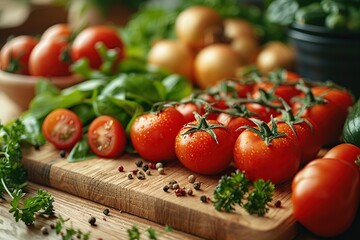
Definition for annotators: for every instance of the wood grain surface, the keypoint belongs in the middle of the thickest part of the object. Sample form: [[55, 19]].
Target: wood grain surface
[[78, 211], [100, 181]]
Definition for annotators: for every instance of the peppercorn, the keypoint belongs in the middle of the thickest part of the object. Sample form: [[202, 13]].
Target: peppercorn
[[197, 185], [191, 178], [120, 168], [145, 167], [161, 171], [189, 192], [180, 192], [129, 175], [139, 162], [159, 165], [204, 199], [44, 230], [172, 182], [148, 172], [52, 226], [92, 221], [135, 171], [152, 165], [278, 204], [166, 188], [175, 186], [37, 146], [106, 211], [62, 153], [140, 175]]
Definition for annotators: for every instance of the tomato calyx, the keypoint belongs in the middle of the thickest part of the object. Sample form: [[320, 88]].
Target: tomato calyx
[[160, 106], [265, 132], [203, 125], [265, 98], [288, 117], [309, 99]]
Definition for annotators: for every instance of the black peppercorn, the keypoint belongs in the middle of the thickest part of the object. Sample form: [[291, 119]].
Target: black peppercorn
[[106, 211], [204, 199], [138, 162], [62, 153], [92, 221]]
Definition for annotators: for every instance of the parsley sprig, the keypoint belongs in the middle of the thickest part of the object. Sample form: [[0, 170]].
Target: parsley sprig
[[135, 234], [68, 233], [236, 190]]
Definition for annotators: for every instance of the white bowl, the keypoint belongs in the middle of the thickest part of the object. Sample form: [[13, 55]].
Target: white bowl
[[21, 88]]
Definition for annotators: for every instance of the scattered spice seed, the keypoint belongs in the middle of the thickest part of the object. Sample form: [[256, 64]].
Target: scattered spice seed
[[120, 168], [135, 171], [197, 185], [161, 171], [152, 165], [145, 167], [180, 192], [172, 182], [78, 236], [204, 199], [278, 204], [175, 186], [52, 226], [62, 153], [139, 162], [44, 230], [140, 175], [129, 175], [166, 188], [104, 218], [189, 192], [37, 146], [106, 211], [159, 165], [148, 172], [191, 178], [92, 221]]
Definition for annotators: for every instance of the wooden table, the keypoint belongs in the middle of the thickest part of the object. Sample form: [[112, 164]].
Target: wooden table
[[79, 210]]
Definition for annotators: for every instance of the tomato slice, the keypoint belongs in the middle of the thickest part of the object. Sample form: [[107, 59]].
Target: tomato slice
[[106, 137], [63, 128]]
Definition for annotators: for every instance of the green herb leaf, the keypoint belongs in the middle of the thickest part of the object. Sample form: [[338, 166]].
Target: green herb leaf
[[259, 197]]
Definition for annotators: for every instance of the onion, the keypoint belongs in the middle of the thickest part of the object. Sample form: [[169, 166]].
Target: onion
[[198, 26], [246, 47], [214, 63], [172, 55], [238, 28]]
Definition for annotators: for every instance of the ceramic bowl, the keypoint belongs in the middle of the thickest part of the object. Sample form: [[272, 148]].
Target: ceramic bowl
[[21, 88]]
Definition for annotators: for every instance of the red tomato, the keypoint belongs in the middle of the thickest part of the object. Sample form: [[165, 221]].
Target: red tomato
[[61, 31], [62, 128], [47, 59], [307, 137], [328, 117], [84, 45], [14, 55], [286, 92], [234, 123], [153, 134], [262, 112], [346, 152], [325, 196], [106, 137], [188, 109], [277, 162], [341, 98], [215, 102], [199, 151]]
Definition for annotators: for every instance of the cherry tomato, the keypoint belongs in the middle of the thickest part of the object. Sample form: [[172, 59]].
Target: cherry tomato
[[188, 109], [262, 112], [61, 31], [106, 137], [48, 59], [307, 137], [199, 151], [84, 45], [325, 196], [328, 117], [284, 91], [153, 134], [62, 128], [277, 162], [340, 97], [346, 152], [14, 55], [234, 123]]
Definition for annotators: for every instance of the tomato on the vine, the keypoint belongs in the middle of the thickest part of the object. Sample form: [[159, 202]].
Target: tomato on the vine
[[15, 54], [106, 137], [153, 134], [325, 196], [200, 151], [188, 109], [60, 31], [346, 152], [49, 58], [265, 153], [84, 45], [62, 128]]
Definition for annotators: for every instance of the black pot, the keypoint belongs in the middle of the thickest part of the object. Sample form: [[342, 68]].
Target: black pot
[[323, 54]]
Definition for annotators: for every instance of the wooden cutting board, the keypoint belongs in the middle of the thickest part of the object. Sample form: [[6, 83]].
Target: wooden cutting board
[[99, 180]]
